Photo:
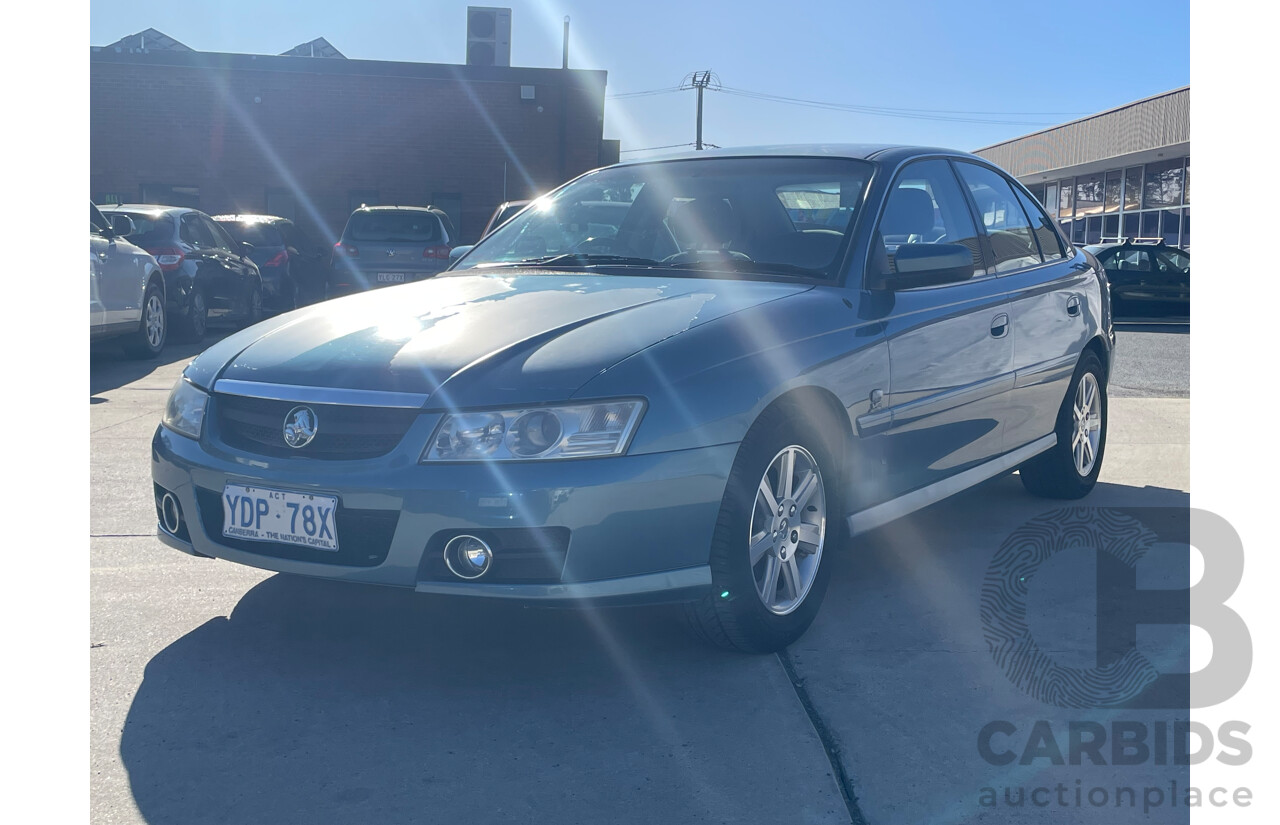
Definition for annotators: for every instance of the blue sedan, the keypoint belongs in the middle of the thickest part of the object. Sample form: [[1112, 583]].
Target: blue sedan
[[693, 395]]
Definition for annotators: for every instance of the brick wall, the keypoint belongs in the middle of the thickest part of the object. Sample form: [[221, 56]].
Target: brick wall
[[238, 125]]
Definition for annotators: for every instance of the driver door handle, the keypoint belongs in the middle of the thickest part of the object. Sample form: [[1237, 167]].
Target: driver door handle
[[1000, 326]]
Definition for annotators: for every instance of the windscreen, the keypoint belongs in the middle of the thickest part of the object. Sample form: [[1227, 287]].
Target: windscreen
[[778, 216]]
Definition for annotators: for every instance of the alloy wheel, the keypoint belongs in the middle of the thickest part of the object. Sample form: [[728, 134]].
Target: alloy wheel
[[1086, 415], [154, 320], [788, 529]]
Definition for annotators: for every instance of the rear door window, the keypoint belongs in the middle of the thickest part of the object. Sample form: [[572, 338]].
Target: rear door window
[[1013, 245], [192, 232], [149, 230]]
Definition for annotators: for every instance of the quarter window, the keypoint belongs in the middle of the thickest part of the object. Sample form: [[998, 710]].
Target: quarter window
[[1012, 244]]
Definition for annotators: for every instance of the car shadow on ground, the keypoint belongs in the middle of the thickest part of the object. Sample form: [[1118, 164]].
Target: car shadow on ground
[[322, 702], [110, 368]]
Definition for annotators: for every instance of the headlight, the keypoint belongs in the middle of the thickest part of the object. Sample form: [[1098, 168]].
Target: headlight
[[572, 431], [185, 411]]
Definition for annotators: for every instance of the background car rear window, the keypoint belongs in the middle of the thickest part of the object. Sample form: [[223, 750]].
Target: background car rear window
[[394, 227], [258, 234], [1012, 243], [150, 230]]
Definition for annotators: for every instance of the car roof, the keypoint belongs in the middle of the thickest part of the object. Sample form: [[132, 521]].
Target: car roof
[[250, 218], [150, 208], [884, 152], [388, 207]]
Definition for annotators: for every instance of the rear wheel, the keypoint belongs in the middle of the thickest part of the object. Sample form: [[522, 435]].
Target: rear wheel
[[1070, 469], [153, 328], [196, 322], [252, 311], [779, 516]]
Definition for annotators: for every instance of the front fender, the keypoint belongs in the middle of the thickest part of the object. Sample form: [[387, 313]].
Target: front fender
[[708, 385]]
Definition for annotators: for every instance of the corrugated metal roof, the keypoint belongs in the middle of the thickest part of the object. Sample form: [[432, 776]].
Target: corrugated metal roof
[[1161, 120], [148, 40], [315, 48]]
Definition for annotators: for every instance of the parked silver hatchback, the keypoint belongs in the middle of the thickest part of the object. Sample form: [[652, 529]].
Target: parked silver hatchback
[[126, 289]]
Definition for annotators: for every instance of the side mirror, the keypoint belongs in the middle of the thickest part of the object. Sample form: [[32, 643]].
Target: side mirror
[[926, 264], [457, 252], [245, 248], [122, 225], [291, 252]]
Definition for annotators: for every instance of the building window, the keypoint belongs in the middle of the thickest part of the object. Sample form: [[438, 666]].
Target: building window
[[1186, 184], [1065, 191], [1113, 186], [1077, 231], [1093, 230], [1110, 227], [1163, 185], [1089, 195], [1186, 229], [1170, 226], [1150, 224], [1050, 199], [1132, 189]]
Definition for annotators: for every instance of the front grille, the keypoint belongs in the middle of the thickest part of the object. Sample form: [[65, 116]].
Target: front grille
[[364, 536], [520, 555], [257, 425]]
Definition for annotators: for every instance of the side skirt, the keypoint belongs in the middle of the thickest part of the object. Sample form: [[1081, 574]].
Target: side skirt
[[894, 509]]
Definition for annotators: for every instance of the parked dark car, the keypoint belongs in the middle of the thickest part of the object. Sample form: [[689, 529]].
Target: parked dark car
[[387, 245], [293, 267], [126, 289], [503, 214], [1147, 279], [702, 408], [208, 276]]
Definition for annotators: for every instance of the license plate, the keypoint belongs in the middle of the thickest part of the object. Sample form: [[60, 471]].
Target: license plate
[[390, 277], [262, 514]]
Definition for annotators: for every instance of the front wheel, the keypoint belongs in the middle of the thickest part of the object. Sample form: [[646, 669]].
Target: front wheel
[[252, 310], [779, 517], [1070, 468], [196, 322]]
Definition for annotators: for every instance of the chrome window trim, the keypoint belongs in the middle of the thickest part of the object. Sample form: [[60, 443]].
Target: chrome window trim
[[320, 395]]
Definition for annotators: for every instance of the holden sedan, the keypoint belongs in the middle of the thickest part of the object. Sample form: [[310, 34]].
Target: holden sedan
[[699, 402]]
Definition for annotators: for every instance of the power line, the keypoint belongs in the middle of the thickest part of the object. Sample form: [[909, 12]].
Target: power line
[[906, 110], [645, 93], [885, 111]]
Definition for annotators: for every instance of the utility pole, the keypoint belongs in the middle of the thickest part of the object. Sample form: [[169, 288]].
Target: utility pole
[[700, 82]]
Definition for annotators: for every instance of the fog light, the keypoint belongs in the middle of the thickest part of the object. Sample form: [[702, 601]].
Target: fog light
[[467, 557]]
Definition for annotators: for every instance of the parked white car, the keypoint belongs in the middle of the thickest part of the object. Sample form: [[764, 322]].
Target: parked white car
[[126, 288]]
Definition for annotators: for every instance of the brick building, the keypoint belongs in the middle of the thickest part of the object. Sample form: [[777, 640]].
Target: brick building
[[312, 137]]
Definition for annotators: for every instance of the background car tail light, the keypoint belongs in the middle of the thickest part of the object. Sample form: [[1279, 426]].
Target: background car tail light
[[438, 252], [345, 249], [279, 259], [169, 257]]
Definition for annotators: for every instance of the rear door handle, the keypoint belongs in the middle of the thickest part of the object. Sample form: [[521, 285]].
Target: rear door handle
[[1073, 305], [999, 325]]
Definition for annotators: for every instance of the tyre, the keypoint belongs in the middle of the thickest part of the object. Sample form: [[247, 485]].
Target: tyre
[[251, 313], [153, 329], [1070, 469], [196, 322], [778, 520]]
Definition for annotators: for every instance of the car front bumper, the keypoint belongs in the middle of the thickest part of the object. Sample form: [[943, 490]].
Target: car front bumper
[[639, 527]]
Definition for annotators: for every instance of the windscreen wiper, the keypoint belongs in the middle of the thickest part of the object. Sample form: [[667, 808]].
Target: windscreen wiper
[[728, 264]]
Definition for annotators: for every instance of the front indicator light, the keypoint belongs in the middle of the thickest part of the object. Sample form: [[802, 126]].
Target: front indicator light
[[591, 430]]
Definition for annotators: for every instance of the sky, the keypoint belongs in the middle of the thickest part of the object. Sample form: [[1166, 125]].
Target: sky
[[974, 73]]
